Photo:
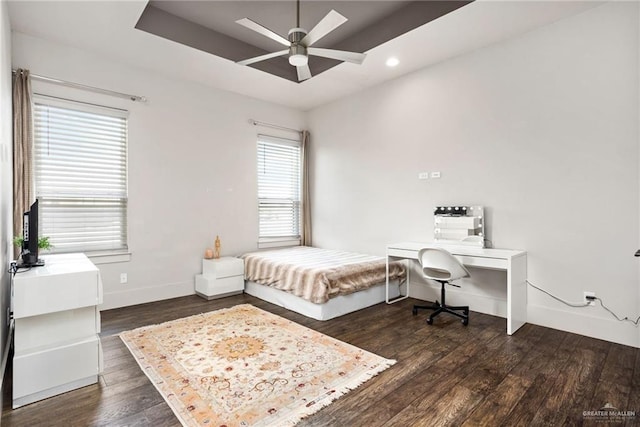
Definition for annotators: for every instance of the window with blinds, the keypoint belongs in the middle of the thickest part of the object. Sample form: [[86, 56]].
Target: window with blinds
[[279, 188], [80, 175]]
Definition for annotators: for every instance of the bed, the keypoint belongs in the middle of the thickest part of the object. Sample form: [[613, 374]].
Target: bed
[[320, 283]]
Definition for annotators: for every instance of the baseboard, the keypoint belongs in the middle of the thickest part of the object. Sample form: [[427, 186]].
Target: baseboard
[[578, 323], [144, 295], [476, 302], [583, 324]]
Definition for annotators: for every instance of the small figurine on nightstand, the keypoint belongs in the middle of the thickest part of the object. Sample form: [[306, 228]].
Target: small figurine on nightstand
[[216, 251]]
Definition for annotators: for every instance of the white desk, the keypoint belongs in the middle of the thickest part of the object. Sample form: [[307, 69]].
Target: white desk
[[514, 262]]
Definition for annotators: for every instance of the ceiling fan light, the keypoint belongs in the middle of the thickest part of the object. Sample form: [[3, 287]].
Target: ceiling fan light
[[298, 60]]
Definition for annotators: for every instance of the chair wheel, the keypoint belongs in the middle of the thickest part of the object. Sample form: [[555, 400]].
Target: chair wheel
[[415, 311], [429, 321], [465, 322]]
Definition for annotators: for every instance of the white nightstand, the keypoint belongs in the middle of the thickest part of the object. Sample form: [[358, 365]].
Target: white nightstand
[[220, 278]]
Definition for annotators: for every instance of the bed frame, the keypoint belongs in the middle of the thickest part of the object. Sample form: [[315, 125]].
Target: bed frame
[[335, 307]]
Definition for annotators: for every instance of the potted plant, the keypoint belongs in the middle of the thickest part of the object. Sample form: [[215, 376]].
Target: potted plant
[[43, 242]]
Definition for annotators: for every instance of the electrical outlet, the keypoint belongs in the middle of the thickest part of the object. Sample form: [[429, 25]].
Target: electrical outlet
[[123, 278], [589, 294], [423, 175]]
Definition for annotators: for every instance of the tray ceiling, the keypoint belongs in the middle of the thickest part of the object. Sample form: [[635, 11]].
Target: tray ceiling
[[211, 26], [105, 30]]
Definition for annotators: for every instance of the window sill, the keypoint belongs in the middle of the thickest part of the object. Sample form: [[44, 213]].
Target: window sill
[[109, 257], [277, 243]]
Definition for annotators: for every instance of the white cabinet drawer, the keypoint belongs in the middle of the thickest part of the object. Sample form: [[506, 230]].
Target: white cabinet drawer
[[39, 371], [482, 262], [47, 294], [223, 267], [211, 288], [53, 329]]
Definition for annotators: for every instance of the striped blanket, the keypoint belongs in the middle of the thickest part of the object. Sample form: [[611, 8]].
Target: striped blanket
[[317, 274]]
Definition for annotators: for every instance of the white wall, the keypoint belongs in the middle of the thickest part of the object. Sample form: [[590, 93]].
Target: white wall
[[192, 157], [541, 129], [6, 168]]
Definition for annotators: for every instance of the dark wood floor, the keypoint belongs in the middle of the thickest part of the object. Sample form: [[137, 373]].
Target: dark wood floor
[[446, 374]]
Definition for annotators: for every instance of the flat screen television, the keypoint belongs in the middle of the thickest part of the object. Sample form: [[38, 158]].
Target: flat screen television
[[30, 237]]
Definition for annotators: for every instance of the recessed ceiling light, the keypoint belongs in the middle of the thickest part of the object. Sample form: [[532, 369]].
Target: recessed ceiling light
[[392, 62]]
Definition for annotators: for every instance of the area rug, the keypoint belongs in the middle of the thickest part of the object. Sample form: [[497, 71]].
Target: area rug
[[243, 366]]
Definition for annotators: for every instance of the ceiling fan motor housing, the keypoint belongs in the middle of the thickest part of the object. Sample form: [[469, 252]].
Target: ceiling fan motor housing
[[297, 49], [296, 35]]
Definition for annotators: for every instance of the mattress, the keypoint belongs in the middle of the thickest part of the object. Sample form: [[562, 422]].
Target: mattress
[[318, 275]]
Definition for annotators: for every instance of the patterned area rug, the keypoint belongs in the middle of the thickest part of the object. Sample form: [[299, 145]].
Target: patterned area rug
[[243, 366]]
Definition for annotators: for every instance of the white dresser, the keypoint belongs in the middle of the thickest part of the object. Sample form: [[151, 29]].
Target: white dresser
[[220, 277], [57, 322]]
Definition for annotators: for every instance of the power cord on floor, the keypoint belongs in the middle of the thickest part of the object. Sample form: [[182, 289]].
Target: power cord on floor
[[580, 305]]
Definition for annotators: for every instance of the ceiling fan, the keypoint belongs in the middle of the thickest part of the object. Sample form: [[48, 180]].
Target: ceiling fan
[[300, 42]]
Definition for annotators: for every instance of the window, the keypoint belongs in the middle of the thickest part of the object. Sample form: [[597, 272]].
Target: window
[[279, 187], [80, 175]]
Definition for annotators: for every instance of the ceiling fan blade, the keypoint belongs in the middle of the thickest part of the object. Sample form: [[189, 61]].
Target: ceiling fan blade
[[246, 22], [340, 55], [330, 22], [263, 57], [304, 72]]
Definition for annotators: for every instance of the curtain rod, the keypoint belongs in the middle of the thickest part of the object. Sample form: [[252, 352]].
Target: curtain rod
[[270, 125], [134, 98]]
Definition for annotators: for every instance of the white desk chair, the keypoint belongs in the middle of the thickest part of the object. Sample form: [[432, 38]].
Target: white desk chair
[[439, 265]]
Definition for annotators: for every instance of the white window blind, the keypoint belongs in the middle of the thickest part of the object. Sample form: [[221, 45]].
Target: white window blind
[[80, 174], [279, 186]]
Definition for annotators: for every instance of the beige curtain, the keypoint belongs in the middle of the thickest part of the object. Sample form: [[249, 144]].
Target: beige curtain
[[22, 149], [306, 204]]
